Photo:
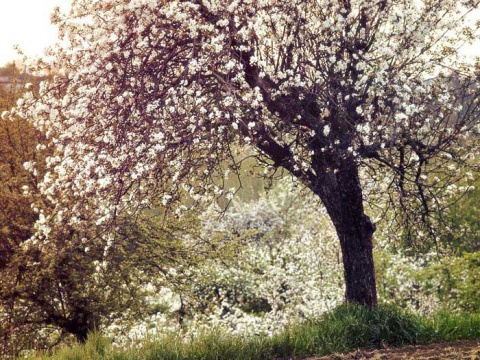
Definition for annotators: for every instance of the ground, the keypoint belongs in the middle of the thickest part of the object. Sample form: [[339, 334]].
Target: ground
[[469, 350]]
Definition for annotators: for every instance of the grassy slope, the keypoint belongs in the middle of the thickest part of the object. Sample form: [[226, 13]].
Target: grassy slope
[[345, 329]]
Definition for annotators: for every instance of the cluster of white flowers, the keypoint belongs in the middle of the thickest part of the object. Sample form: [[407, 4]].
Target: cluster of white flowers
[[285, 268]]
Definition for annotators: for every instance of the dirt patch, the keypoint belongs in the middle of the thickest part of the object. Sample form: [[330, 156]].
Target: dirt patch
[[469, 350]]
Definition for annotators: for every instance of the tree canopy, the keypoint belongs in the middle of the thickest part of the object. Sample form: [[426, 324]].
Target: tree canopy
[[159, 99]]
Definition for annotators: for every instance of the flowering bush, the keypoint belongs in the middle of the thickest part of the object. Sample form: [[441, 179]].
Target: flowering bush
[[286, 266], [279, 263]]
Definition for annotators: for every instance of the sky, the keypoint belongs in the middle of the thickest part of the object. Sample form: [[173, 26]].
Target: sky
[[27, 23]]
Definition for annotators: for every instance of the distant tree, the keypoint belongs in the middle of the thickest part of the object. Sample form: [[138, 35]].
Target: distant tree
[[18, 141], [158, 99], [10, 69]]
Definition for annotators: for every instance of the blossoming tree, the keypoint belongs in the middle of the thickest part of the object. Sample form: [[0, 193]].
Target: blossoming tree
[[48, 296], [159, 97]]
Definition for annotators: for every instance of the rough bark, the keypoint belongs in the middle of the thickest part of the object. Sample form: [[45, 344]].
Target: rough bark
[[341, 193]]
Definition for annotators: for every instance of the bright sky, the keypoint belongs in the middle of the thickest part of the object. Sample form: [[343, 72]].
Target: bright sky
[[27, 23]]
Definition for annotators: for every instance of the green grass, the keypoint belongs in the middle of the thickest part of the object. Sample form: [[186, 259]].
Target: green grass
[[448, 326], [344, 329]]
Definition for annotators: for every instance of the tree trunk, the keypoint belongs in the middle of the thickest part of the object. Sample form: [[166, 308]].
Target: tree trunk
[[79, 330], [341, 192], [80, 325], [81, 334]]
